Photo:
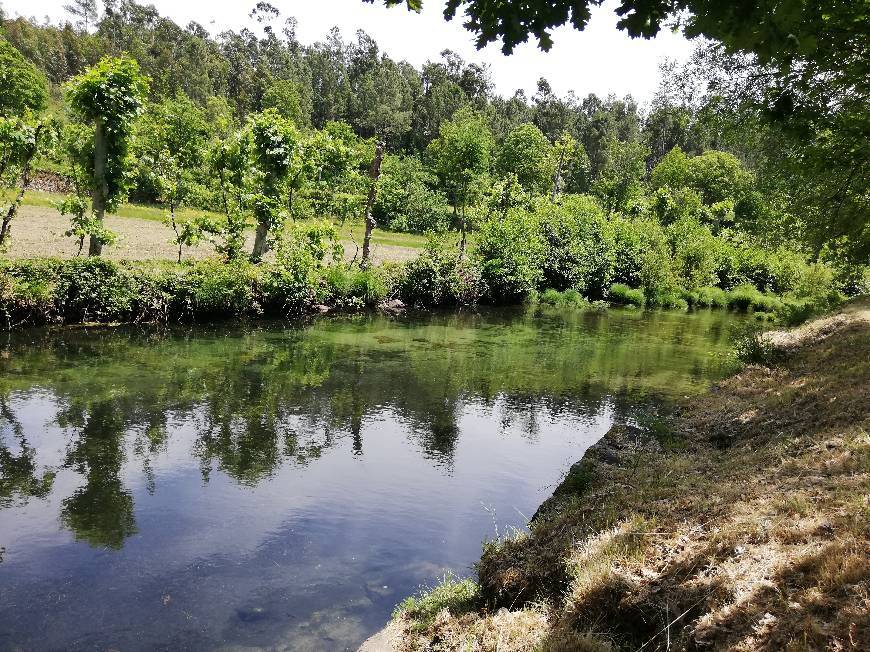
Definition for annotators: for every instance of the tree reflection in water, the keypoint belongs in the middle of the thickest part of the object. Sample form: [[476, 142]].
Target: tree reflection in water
[[262, 397]]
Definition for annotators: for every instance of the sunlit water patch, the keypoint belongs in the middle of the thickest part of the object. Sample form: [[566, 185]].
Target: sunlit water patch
[[284, 487]]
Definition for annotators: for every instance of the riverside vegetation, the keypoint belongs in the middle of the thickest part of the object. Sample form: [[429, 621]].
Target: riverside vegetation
[[738, 521], [695, 202]]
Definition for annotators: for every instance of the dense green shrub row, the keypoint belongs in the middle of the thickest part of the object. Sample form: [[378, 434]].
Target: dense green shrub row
[[85, 290], [564, 254]]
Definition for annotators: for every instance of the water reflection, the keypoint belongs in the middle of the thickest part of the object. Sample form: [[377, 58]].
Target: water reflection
[[406, 426]]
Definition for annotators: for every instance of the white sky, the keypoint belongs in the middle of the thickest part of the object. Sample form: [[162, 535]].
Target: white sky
[[600, 59]]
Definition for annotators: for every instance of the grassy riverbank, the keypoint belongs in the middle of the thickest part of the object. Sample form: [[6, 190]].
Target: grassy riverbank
[[740, 522]]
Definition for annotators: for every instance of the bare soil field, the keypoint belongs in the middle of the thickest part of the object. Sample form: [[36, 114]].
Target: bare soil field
[[39, 231]]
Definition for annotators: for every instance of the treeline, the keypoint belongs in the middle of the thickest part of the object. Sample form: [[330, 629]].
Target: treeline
[[674, 206]]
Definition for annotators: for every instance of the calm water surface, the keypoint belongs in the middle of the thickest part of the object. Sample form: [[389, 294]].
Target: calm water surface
[[283, 487]]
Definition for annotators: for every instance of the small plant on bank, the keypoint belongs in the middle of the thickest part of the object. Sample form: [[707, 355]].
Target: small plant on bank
[[452, 594], [624, 295]]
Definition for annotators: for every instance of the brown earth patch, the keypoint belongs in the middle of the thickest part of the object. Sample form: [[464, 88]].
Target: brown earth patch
[[39, 232]]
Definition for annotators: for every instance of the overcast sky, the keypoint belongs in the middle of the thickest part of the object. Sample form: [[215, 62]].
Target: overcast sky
[[599, 60]]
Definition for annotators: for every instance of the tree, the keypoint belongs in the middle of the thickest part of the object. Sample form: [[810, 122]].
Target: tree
[[23, 93], [374, 175], [772, 30], [172, 153], [285, 97], [23, 88], [527, 153], [109, 96], [461, 157], [84, 10], [571, 166], [20, 141], [621, 182], [281, 165]]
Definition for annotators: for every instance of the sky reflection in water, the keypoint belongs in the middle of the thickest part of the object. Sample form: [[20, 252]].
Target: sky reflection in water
[[275, 486]]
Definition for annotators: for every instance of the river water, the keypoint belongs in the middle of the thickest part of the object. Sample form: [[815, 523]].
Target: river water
[[283, 486]]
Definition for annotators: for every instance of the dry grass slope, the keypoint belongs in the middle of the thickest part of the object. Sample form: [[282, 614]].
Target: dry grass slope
[[751, 533]]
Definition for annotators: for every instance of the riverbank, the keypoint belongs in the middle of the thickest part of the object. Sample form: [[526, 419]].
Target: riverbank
[[739, 522]]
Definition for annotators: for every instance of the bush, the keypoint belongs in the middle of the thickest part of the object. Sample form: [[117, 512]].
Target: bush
[[437, 277], [622, 294], [510, 254], [567, 299], [95, 289], [745, 297], [579, 245], [456, 596], [694, 253], [352, 287], [405, 199], [642, 255], [667, 298], [712, 297]]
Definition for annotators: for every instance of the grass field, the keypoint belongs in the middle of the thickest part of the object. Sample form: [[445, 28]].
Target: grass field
[[38, 231]]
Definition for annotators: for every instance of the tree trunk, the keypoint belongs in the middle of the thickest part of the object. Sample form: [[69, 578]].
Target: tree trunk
[[100, 190], [557, 180], [261, 242], [374, 173], [6, 226], [464, 232]]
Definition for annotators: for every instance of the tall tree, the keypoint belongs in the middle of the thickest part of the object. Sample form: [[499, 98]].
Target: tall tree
[[461, 156], [109, 96]]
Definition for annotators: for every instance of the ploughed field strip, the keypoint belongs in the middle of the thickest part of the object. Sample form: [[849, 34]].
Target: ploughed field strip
[[39, 232]]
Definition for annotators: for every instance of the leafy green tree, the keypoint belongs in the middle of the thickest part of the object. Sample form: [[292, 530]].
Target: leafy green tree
[[109, 96], [23, 88], [510, 252], [286, 98], [571, 166], [20, 141], [280, 166], [580, 253], [171, 146], [461, 157], [406, 200], [553, 115], [621, 182], [527, 153], [229, 163]]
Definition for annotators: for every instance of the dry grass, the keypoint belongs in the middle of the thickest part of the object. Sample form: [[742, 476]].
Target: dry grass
[[754, 536]]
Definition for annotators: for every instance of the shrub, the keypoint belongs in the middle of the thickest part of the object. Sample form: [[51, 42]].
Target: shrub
[[27, 291], [745, 297], [622, 294], [666, 298], [569, 298], [510, 253], [212, 289], [352, 287], [405, 199], [454, 595], [579, 245], [712, 297], [694, 253], [642, 255], [95, 289], [437, 277]]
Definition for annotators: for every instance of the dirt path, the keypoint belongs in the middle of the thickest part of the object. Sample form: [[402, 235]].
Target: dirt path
[[39, 231]]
